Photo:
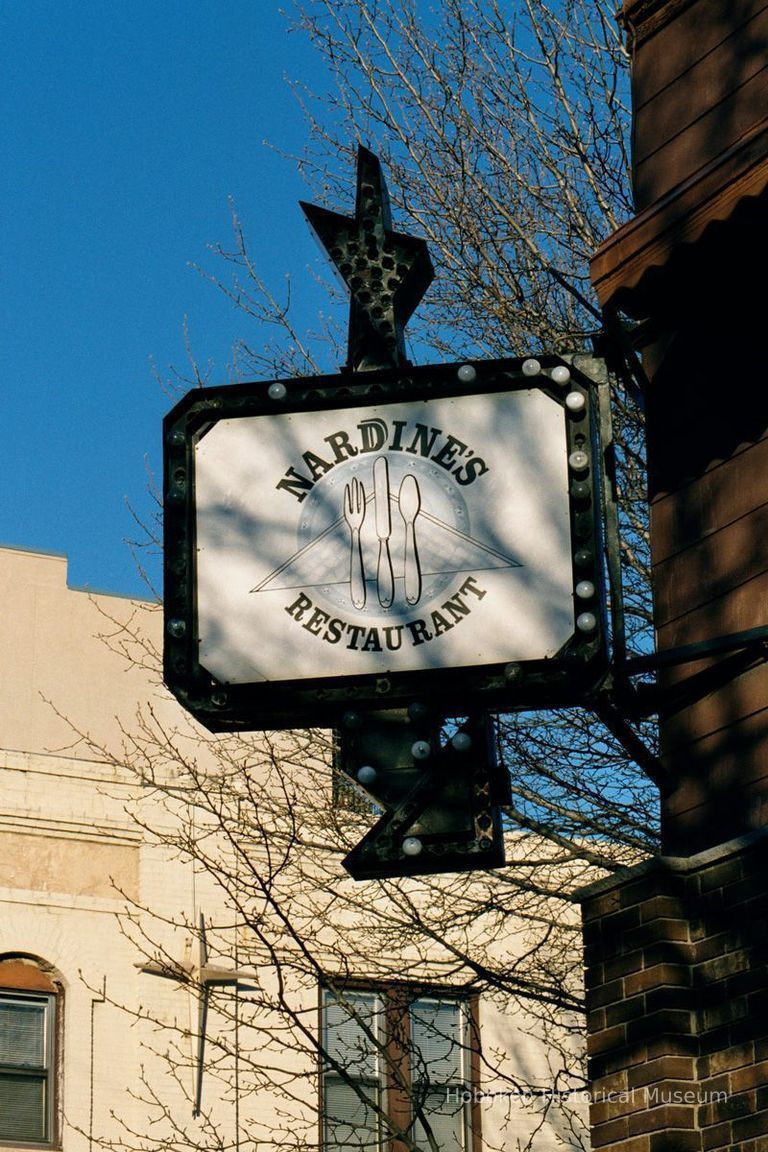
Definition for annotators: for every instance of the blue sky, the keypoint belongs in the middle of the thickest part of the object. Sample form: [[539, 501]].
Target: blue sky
[[126, 129]]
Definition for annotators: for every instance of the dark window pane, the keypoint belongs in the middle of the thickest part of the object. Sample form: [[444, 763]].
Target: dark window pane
[[436, 1040], [350, 1123], [22, 1107], [350, 1029], [22, 1033], [444, 1111]]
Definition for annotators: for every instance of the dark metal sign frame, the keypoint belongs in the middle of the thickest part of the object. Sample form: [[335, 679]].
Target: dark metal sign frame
[[570, 677]]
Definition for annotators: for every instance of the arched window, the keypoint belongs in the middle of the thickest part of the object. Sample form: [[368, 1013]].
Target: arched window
[[30, 1011]]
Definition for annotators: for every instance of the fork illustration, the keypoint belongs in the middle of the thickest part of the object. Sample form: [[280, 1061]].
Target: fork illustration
[[354, 514]]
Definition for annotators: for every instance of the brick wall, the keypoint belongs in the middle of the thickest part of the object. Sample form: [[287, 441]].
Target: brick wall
[[677, 999]]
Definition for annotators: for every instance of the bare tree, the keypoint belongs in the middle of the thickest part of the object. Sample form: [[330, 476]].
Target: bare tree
[[502, 129], [256, 820]]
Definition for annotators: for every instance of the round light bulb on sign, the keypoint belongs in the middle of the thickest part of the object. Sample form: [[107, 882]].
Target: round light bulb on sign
[[575, 401], [366, 774], [462, 741], [561, 374], [412, 846], [421, 750], [277, 391], [531, 367], [586, 622], [467, 374], [417, 711]]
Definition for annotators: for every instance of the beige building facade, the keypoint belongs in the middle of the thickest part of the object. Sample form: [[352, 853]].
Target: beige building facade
[[176, 934]]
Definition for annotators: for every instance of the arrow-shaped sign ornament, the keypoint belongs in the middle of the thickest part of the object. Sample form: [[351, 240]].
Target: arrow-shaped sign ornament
[[386, 272], [443, 815]]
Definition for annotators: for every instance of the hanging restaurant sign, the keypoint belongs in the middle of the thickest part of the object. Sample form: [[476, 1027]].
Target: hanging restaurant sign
[[381, 537]]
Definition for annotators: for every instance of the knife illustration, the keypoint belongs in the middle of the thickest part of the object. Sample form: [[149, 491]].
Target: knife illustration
[[409, 502], [385, 579]]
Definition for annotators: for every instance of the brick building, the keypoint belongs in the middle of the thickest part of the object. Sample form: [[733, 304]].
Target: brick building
[[676, 952]]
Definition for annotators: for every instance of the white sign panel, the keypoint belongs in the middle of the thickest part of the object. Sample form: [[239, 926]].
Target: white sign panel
[[369, 540]]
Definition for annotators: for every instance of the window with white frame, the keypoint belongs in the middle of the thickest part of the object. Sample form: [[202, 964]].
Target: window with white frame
[[398, 1066], [27, 1031], [354, 1041], [439, 1072]]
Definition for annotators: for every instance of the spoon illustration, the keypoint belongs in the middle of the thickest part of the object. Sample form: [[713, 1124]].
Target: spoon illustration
[[409, 501]]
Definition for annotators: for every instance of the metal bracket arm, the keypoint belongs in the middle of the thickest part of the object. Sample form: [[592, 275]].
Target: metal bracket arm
[[688, 653]]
